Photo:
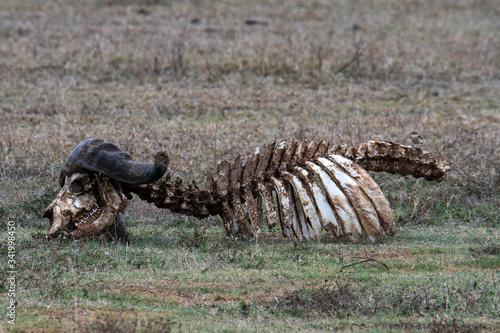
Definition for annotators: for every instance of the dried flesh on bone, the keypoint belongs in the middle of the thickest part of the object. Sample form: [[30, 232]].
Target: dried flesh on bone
[[87, 211], [303, 187]]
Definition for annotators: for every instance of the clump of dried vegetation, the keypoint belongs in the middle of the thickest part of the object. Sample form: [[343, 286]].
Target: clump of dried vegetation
[[205, 81]]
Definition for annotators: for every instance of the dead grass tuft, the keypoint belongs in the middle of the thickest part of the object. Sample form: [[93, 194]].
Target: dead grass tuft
[[442, 325], [490, 250], [120, 324], [205, 82]]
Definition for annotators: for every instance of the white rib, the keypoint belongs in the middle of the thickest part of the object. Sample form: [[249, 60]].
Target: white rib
[[346, 214], [362, 204], [323, 207]]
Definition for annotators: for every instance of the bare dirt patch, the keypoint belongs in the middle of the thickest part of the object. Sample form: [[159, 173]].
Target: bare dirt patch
[[188, 294], [205, 82]]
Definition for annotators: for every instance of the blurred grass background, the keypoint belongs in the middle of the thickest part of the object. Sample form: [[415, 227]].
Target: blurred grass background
[[207, 80]]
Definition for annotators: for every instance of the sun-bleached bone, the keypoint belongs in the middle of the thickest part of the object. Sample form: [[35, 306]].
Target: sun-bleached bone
[[305, 187], [91, 196]]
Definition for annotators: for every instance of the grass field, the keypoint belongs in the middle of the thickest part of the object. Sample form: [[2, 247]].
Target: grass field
[[206, 80]]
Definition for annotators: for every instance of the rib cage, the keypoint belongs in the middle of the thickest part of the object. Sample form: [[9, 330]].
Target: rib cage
[[305, 187]]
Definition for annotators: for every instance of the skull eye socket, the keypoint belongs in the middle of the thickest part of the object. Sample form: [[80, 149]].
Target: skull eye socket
[[77, 186]]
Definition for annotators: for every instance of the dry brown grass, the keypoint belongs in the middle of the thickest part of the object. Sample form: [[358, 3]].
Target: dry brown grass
[[194, 78], [74, 70]]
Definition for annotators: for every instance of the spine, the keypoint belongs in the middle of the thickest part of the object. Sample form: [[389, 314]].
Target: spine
[[396, 159]]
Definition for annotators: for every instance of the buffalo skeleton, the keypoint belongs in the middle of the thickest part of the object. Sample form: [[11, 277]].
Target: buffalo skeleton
[[304, 187]]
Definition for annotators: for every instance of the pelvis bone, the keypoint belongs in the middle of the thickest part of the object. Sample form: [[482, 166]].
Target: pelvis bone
[[305, 188]]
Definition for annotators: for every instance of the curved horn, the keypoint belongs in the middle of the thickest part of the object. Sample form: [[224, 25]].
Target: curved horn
[[101, 156]]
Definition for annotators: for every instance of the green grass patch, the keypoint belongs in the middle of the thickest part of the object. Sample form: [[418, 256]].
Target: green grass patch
[[201, 83]]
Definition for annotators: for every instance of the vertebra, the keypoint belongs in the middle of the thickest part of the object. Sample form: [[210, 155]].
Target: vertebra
[[304, 187]]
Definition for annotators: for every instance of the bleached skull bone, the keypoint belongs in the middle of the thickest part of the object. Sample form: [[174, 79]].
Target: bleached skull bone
[[92, 179], [86, 204], [305, 187]]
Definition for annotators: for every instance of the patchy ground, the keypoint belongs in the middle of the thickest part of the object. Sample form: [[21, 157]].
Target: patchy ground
[[204, 81]]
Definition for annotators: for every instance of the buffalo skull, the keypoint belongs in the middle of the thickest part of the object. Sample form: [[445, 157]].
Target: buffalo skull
[[92, 197]]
